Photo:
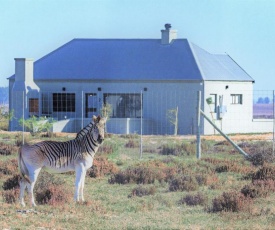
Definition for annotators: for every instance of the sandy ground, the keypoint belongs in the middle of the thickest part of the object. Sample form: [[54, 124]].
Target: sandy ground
[[235, 137]]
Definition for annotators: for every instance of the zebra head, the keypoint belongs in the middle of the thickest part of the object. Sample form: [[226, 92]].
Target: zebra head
[[99, 128]]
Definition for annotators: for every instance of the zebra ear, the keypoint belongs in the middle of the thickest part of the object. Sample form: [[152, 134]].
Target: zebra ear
[[96, 119]]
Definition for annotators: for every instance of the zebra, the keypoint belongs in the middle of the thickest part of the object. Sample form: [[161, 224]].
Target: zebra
[[58, 157]]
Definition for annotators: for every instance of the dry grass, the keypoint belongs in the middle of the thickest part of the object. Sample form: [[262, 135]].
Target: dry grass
[[222, 199]]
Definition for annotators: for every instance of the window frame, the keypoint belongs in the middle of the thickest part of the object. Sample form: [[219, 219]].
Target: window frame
[[236, 99], [128, 109], [63, 102], [33, 107]]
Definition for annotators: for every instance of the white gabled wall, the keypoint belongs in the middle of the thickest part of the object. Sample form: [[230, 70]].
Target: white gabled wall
[[239, 117]]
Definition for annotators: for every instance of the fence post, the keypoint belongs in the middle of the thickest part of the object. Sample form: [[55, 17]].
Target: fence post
[[141, 117], [82, 112], [273, 146], [23, 115], [198, 125]]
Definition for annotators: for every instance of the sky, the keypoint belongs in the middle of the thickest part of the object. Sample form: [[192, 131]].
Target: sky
[[244, 29]]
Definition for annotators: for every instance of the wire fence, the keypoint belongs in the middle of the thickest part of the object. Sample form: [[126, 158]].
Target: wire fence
[[153, 113], [147, 112]]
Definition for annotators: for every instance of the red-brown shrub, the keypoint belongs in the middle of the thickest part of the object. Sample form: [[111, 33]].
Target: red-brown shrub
[[138, 175], [9, 167], [7, 149], [143, 191], [10, 196], [52, 190], [53, 195], [196, 199], [266, 172], [132, 144], [231, 202], [183, 183], [101, 167], [259, 188], [11, 183]]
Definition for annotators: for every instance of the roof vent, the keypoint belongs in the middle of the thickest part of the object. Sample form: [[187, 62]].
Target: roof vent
[[168, 35]]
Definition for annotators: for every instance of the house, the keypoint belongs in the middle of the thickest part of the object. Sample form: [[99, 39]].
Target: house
[[141, 79]]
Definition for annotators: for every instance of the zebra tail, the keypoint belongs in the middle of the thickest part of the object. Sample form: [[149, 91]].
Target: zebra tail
[[24, 172]]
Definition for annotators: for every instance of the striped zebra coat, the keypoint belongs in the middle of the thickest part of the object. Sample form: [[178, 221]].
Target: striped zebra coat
[[57, 157]]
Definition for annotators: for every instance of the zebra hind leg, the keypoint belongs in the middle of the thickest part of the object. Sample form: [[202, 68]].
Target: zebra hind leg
[[33, 178], [23, 185]]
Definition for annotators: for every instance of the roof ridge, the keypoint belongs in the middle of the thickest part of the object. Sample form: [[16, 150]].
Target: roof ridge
[[196, 59], [55, 50]]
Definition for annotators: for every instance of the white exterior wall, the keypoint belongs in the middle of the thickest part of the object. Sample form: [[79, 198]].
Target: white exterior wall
[[157, 100], [239, 117]]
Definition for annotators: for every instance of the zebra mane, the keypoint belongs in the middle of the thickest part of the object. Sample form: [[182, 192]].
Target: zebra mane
[[83, 132]]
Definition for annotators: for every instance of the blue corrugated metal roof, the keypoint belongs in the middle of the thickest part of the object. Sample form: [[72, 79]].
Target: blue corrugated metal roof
[[218, 67], [119, 59], [135, 59]]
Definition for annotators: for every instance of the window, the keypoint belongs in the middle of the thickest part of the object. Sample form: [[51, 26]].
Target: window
[[63, 102], [33, 107], [124, 105], [46, 105], [236, 98], [90, 104]]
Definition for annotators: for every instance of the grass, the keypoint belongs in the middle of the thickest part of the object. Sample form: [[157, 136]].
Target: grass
[[152, 206]]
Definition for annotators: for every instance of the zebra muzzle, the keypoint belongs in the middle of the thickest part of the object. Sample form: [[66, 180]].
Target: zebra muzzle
[[100, 140]]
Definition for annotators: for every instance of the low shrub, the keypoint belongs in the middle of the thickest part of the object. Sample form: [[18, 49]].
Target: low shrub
[[138, 175], [11, 183], [10, 196], [231, 202], [51, 190], [178, 149], [183, 183], [193, 200], [132, 144], [259, 159], [228, 165], [53, 195], [266, 172], [6, 149], [143, 191], [101, 167], [107, 148], [259, 188], [146, 173], [10, 191], [9, 167]]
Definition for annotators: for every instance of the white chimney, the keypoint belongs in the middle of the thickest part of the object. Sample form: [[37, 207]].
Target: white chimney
[[24, 75], [168, 35]]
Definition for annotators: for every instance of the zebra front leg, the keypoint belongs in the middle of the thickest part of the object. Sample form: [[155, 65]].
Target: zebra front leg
[[82, 185], [23, 185], [80, 174]]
